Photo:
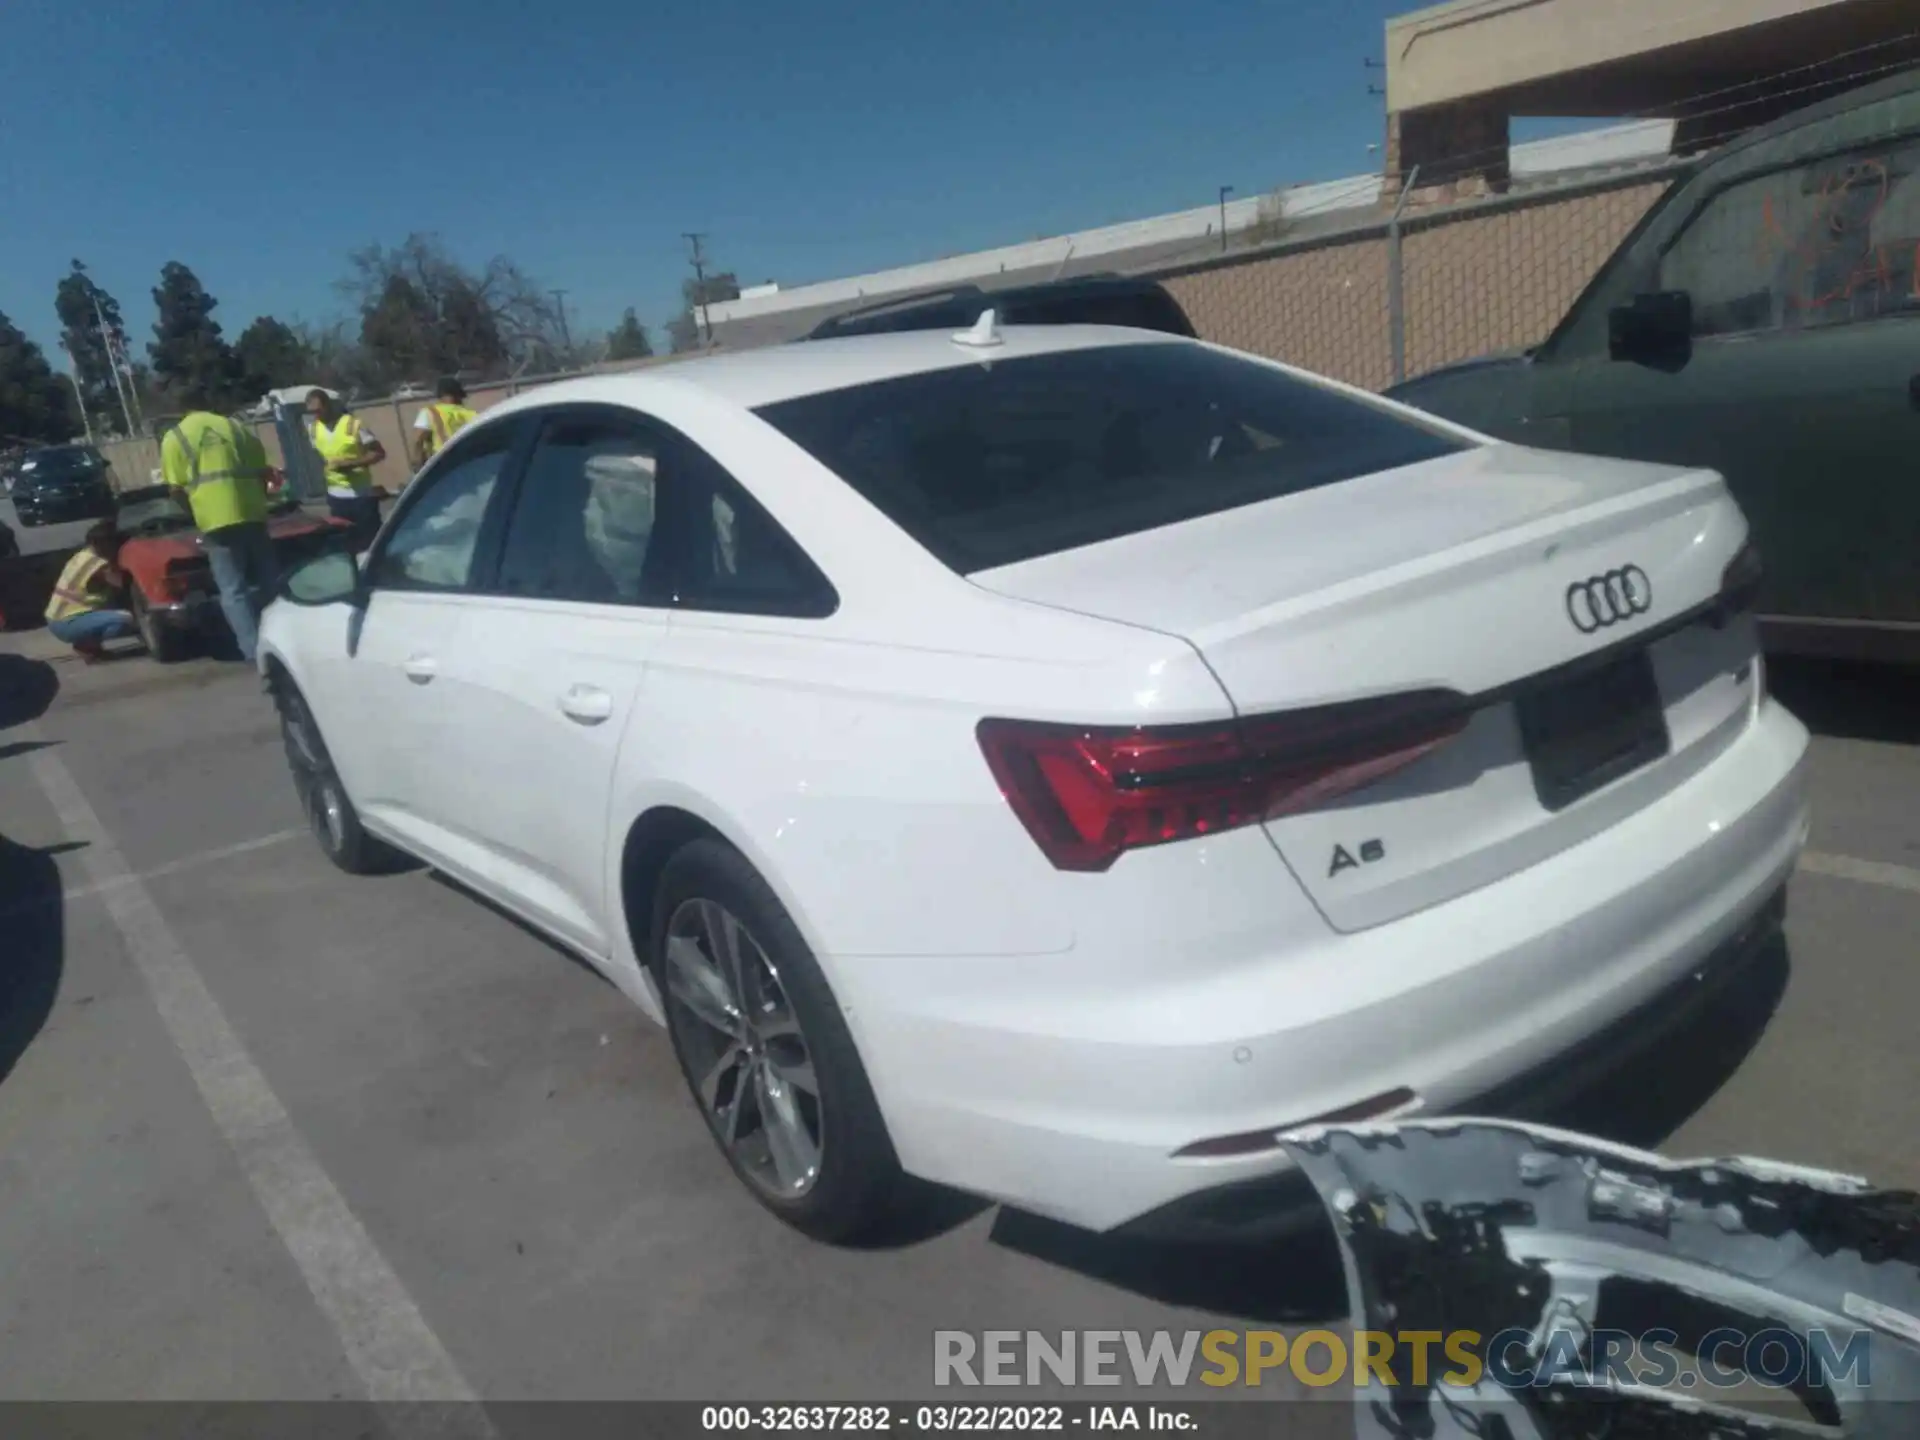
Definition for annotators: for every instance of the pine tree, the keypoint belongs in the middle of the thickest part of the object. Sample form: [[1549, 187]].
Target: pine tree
[[35, 403], [90, 324], [629, 340], [273, 355], [190, 357]]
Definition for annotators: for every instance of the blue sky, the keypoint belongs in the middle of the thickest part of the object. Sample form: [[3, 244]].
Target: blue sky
[[260, 143]]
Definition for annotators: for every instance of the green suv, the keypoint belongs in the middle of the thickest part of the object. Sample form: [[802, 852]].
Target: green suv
[[1762, 320]]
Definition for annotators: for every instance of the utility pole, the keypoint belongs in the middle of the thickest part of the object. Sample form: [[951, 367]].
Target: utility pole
[[118, 349], [566, 336], [1225, 191], [113, 364], [73, 377], [700, 281]]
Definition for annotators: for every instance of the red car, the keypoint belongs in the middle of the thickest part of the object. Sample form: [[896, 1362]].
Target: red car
[[170, 583]]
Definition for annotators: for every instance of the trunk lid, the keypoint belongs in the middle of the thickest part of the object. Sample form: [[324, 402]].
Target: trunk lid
[[1455, 574]]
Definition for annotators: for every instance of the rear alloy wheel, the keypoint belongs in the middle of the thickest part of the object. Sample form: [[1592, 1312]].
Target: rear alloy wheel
[[765, 1051], [330, 814], [163, 642]]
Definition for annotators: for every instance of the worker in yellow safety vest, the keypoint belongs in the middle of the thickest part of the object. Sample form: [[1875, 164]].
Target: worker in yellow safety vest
[[441, 421], [349, 450], [85, 611], [217, 467]]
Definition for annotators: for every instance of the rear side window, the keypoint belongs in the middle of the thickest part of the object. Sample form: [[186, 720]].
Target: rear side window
[[990, 464]]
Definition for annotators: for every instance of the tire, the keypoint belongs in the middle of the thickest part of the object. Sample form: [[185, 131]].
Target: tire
[[323, 799], [165, 644], [743, 1060]]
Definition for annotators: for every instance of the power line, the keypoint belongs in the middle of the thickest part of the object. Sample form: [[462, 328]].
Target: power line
[[560, 301]]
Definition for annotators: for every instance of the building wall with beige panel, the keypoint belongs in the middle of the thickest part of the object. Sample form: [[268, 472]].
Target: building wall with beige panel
[[1495, 276]]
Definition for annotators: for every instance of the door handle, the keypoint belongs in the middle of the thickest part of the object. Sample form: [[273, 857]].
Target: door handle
[[588, 704], [420, 668]]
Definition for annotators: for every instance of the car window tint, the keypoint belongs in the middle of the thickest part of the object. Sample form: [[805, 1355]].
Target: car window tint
[[1819, 244], [735, 556], [1138, 310], [583, 522], [432, 546], [989, 464]]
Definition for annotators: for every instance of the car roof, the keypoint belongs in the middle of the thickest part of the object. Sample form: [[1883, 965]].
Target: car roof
[[938, 301], [752, 378], [1891, 87]]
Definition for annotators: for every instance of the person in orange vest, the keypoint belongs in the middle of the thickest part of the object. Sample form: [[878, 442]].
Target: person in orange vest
[[85, 611], [439, 422], [349, 450]]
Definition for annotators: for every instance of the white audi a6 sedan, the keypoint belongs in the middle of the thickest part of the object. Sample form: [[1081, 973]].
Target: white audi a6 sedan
[[1052, 762]]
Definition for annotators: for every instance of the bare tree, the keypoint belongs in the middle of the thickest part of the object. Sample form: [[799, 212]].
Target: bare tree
[[423, 314]]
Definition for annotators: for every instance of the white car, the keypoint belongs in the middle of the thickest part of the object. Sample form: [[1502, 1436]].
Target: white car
[[1053, 761]]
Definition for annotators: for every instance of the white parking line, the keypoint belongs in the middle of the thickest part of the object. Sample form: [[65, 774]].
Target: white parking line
[[1867, 872], [388, 1342], [172, 867]]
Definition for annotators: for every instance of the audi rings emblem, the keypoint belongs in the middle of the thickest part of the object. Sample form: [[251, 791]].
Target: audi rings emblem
[[1603, 600]]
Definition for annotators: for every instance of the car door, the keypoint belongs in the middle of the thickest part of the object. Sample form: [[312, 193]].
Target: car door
[[397, 749], [1802, 381], [549, 675]]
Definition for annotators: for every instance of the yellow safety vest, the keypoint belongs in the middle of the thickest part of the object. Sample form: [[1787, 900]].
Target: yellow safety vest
[[77, 591], [222, 467], [341, 441], [446, 420]]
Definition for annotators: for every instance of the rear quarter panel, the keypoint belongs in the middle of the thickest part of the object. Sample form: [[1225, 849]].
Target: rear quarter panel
[[146, 561], [840, 758]]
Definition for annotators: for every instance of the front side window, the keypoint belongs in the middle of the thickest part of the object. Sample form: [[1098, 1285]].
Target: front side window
[[433, 545], [988, 464], [1825, 243], [584, 520]]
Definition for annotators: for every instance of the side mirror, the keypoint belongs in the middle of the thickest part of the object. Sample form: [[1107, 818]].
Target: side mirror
[[1654, 329], [329, 576]]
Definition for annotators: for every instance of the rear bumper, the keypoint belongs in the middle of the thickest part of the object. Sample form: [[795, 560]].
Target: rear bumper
[[196, 611], [1009, 1097], [47, 510]]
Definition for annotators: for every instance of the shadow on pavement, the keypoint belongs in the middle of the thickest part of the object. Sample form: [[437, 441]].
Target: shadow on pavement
[[1849, 701], [27, 688], [32, 927], [30, 961]]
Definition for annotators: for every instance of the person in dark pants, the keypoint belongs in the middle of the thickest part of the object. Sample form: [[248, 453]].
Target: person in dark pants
[[218, 469], [349, 450]]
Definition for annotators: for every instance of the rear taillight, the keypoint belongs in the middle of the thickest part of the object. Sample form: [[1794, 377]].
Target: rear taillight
[[1089, 794], [1740, 581]]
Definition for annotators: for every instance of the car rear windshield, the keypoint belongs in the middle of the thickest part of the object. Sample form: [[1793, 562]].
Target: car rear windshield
[[1134, 309], [63, 464], [993, 463]]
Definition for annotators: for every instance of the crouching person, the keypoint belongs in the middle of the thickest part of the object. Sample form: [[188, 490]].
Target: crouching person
[[87, 609]]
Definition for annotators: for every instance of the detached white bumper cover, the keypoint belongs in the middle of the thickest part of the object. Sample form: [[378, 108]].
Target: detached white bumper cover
[[1077, 1112]]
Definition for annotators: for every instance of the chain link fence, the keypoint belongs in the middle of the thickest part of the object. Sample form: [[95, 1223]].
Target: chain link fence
[[136, 462], [1381, 299]]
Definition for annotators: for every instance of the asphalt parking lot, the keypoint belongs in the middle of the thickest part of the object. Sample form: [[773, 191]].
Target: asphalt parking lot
[[268, 1132]]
